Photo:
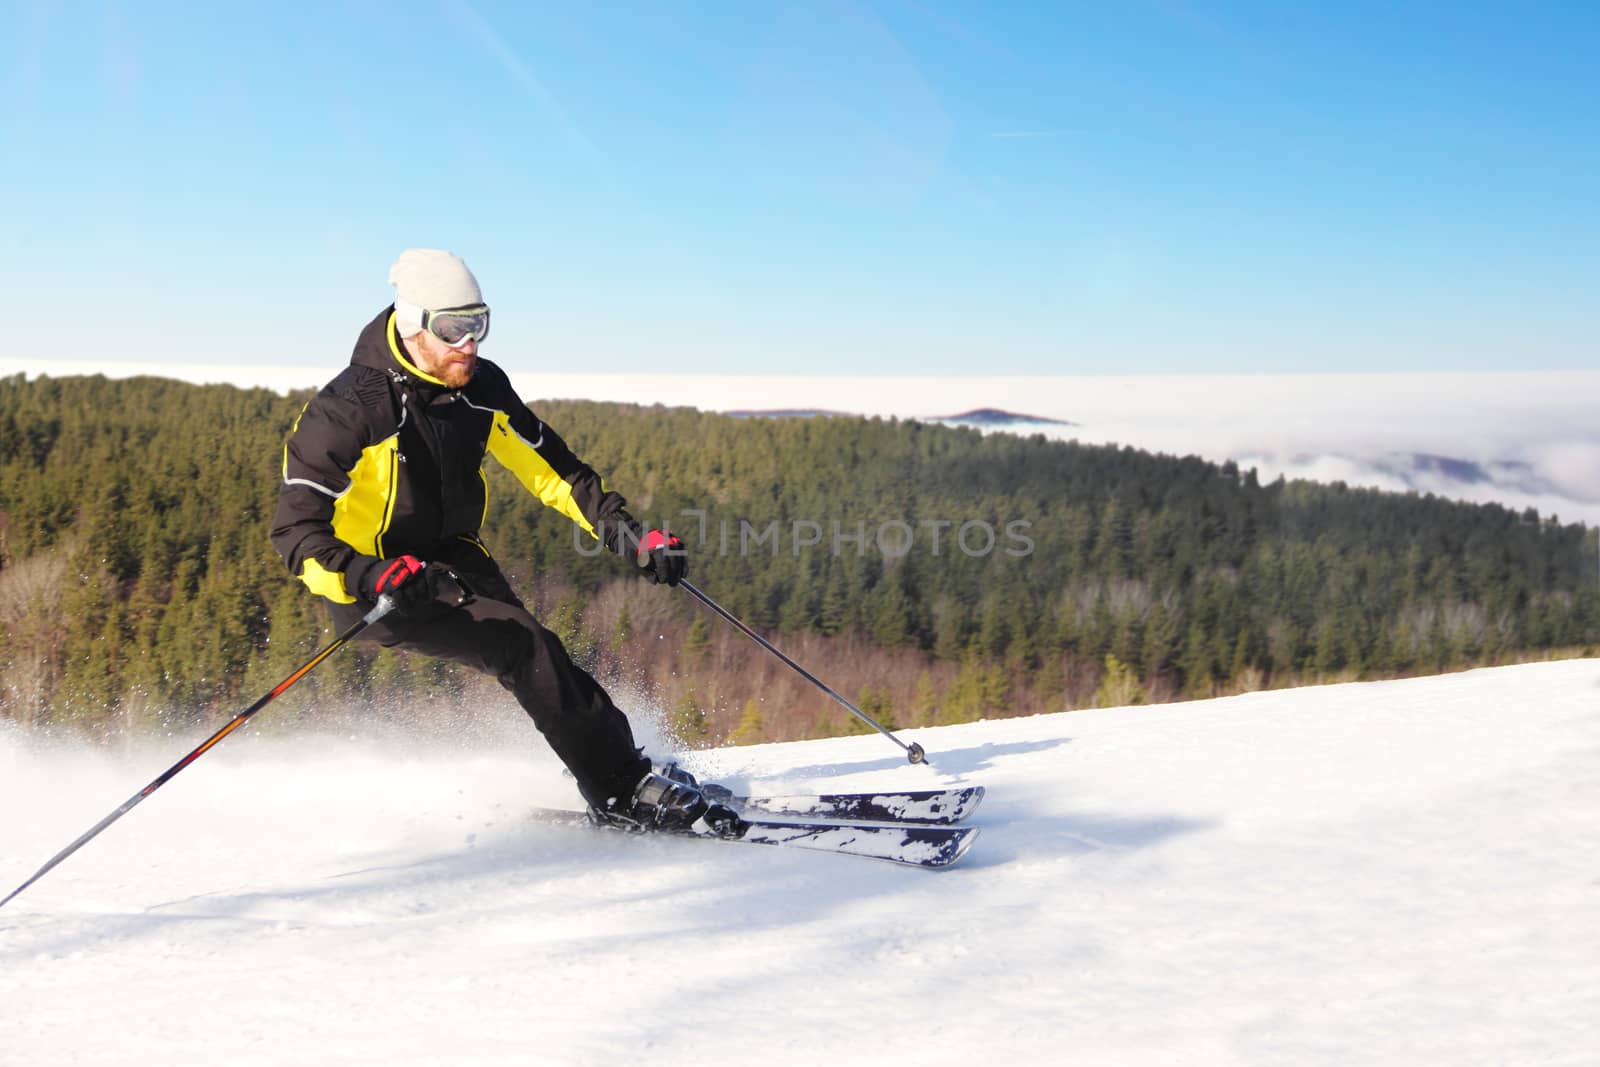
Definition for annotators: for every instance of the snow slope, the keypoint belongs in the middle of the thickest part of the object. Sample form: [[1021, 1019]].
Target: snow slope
[[1399, 872]]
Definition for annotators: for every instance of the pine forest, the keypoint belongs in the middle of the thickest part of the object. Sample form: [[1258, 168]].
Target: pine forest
[[933, 575]]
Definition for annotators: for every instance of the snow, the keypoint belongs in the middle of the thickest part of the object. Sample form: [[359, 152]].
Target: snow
[[1388, 872]]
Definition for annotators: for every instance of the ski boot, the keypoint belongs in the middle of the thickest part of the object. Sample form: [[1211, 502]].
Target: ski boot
[[656, 803], [672, 770], [719, 818]]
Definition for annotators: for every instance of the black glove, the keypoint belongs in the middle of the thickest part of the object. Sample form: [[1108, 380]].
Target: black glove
[[663, 557], [411, 583]]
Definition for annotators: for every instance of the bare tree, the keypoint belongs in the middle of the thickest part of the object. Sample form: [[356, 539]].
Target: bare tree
[[30, 594]]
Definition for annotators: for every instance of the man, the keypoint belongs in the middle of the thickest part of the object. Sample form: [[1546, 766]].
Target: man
[[383, 494]]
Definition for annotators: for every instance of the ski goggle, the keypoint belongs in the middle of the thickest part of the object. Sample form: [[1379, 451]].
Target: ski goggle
[[456, 326]]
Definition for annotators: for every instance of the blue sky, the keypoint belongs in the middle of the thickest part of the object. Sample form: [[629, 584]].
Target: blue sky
[[903, 187]]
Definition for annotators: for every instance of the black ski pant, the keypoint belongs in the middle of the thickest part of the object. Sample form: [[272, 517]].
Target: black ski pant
[[494, 634]]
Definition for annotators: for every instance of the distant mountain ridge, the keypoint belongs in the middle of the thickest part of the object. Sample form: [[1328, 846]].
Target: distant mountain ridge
[[790, 413], [996, 417]]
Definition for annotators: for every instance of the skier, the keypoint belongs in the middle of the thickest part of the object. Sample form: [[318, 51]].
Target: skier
[[383, 493]]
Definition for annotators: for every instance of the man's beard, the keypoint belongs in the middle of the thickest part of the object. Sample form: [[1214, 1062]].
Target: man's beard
[[438, 363], [456, 376]]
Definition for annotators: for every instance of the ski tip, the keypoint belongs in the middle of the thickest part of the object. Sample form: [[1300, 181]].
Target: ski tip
[[962, 804], [960, 844]]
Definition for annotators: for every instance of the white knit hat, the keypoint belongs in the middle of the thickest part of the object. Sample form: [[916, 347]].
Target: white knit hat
[[431, 279]]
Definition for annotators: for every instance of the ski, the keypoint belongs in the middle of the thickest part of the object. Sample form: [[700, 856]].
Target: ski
[[908, 845], [931, 806]]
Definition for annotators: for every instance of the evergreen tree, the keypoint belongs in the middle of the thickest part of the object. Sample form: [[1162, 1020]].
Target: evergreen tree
[[623, 630], [752, 726], [924, 702], [1120, 687], [688, 721], [891, 616], [697, 643]]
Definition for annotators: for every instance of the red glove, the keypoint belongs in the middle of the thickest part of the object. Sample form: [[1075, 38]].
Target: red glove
[[408, 581], [663, 558]]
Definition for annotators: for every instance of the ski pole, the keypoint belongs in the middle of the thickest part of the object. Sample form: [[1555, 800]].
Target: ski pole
[[914, 752], [384, 606]]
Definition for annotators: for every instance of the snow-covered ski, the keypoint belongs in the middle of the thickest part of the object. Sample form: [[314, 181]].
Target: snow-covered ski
[[930, 806], [909, 845]]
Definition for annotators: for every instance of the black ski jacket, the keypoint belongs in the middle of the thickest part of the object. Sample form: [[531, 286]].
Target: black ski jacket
[[386, 461]]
